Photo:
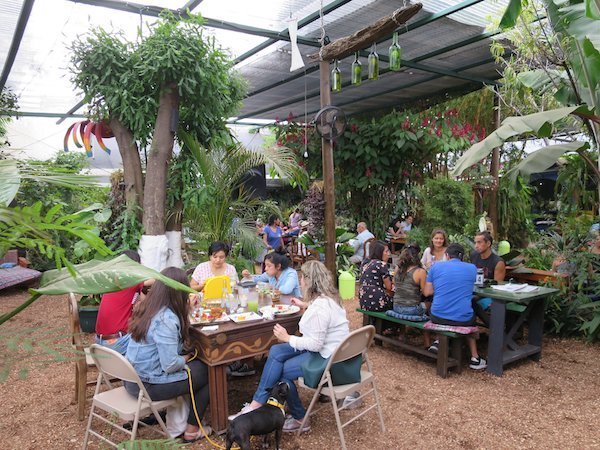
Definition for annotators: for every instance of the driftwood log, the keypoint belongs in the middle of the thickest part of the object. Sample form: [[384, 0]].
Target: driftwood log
[[362, 39]]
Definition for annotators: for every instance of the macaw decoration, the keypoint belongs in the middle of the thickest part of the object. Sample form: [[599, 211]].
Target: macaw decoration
[[83, 130]]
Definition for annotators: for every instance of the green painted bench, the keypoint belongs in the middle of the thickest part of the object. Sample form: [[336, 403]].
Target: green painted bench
[[449, 353]]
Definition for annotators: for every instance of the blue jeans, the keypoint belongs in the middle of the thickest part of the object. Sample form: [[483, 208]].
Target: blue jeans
[[118, 345], [283, 364], [416, 310]]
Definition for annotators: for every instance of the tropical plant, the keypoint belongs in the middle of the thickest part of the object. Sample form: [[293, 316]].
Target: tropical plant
[[569, 52], [514, 206], [225, 210], [173, 73], [8, 104], [343, 250], [447, 204], [30, 227]]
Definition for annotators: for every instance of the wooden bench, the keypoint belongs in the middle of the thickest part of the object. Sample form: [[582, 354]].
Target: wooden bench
[[450, 347]]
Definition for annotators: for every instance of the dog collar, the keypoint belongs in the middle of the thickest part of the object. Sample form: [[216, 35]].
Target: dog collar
[[273, 401]]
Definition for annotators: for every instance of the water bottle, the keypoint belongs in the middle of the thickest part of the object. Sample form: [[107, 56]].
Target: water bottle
[[479, 279]]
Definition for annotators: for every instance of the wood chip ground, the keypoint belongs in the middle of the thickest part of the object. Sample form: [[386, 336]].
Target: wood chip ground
[[550, 404]]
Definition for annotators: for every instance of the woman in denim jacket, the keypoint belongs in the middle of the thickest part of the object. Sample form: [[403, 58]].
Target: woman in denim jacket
[[159, 328]]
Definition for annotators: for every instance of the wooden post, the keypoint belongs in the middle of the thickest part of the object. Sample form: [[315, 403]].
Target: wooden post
[[494, 170], [328, 182]]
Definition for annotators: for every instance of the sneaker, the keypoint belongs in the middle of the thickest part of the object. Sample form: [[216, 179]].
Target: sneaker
[[351, 401], [245, 409], [292, 425], [238, 369], [478, 363], [433, 348]]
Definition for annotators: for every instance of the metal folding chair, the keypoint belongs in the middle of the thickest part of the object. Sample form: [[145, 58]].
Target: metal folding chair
[[355, 344]]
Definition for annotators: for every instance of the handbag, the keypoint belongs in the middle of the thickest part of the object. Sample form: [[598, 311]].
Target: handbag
[[344, 372]]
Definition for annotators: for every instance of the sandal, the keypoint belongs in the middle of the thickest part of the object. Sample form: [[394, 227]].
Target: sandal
[[188, 438]]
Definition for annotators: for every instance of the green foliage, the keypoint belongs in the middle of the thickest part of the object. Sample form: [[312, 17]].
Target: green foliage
[[343, 250], [155, 444], [30, 228], [447, 204], [59, 183], [224, 210], [514, 206], [133, 75], [576, 184], [8, 103]]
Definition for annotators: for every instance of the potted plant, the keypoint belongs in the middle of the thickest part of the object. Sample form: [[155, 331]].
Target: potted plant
[[88, 312]]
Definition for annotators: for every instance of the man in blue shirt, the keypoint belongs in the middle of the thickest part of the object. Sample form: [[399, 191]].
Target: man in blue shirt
[[451, 284]]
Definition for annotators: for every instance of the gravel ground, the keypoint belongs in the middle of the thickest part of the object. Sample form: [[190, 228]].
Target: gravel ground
[[551, 404]]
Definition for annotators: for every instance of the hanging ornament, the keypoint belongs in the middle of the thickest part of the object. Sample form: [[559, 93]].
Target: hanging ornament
[[395, 54], [336, 78], [373, 63], [356, 71]]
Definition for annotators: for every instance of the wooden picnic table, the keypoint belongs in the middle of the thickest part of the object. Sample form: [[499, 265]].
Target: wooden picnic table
[[502, 348], [401, 241], [233, 342]]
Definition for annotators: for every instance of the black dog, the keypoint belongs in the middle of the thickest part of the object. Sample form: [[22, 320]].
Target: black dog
[[262, 421]]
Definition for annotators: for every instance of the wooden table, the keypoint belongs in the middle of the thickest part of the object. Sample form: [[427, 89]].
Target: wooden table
[[502, 348], [233, 342], [397, 241]]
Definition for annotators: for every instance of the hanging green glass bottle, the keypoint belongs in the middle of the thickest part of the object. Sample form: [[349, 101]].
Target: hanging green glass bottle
[[356, 71], [336, 78], [395, 54], [373, 63]]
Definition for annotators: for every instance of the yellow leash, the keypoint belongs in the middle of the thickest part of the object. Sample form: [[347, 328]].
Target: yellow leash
[[213, 443]]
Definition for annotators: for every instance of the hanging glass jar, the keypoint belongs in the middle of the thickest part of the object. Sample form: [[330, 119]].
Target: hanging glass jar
[[373, 63], [356, 71], [336, 77], [395, 54]]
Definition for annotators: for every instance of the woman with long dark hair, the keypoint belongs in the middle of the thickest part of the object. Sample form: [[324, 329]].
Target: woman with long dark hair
[[375, 292], [278, 274], [160, 331]]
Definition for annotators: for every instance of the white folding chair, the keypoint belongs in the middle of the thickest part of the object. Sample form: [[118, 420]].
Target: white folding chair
[[116, 400], [355, 344]]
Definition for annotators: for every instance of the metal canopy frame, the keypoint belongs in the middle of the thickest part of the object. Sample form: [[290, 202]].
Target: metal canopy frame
[[272, 37]]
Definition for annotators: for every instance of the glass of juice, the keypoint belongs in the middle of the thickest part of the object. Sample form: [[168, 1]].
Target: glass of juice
[[253, 305]]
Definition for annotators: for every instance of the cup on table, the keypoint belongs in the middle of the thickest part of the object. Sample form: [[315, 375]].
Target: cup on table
[[243, 296], [253, 305]]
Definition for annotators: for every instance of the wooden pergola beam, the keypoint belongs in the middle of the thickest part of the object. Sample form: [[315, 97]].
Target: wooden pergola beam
[[363, 38]]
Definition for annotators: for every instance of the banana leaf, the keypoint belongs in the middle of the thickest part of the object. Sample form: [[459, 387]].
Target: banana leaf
[[99, 277], [538, 123], [10, 180], [94, 277], [543, 158]]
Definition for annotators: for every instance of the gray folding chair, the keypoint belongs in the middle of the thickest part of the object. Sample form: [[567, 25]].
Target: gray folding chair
[[116, 400], [355, 344]]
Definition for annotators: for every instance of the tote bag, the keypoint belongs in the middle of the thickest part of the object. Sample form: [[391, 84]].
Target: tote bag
[[344, 372]]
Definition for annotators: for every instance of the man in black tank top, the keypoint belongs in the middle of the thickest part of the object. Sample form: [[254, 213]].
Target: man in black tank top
[[493, 266]]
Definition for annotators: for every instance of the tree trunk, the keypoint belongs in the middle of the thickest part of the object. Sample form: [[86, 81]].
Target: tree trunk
[[132, 166], [155, 190]]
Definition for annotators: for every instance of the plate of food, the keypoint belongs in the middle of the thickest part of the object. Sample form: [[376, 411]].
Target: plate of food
[[279, 310], [245, 317], [204, 316]]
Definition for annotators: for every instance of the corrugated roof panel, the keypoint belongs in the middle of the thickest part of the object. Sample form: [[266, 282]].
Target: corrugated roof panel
[[9, 16]]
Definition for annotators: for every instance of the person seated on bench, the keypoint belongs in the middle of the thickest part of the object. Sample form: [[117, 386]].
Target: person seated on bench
[[494, 268], [451, 283], [409, 281], [375, 292]]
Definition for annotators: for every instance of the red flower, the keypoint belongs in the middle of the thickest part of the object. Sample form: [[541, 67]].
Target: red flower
[[290, 117], [439, 132], [368, 172], [353, 127], [279, 142], [405, 173], [276, 119]]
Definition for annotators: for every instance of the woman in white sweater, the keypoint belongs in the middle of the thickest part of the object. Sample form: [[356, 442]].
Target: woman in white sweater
[[323, 326]]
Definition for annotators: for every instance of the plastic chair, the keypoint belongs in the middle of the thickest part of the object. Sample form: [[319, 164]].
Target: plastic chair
[[116, 400], [213, 288], [356, 343], [82, 365]]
